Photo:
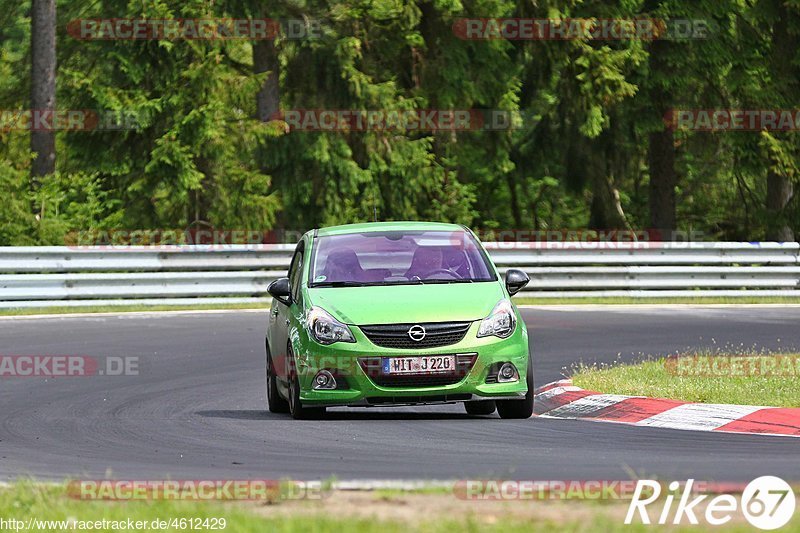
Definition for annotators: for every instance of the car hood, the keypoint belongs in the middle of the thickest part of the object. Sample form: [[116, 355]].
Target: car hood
[[403, 304]]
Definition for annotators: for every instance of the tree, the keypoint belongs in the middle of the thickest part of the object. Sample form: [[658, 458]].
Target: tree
[[43, 86], [265, 61], [661, 144], [780, 188], [590, 148]]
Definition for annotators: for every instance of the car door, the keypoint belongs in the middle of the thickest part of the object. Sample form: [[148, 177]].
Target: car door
[[280, 319], [295, 310]]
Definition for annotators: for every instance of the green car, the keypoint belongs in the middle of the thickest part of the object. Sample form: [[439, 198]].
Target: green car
[[396, 313]]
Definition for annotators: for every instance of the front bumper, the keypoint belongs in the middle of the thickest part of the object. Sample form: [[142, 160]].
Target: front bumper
[[343, 359]]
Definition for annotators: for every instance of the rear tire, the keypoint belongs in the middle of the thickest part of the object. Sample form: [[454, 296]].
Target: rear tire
[[482, 407], [275, 401], [519, 409], [296, 408]]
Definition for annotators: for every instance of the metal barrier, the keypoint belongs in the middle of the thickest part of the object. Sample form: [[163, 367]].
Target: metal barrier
[[64, 276]]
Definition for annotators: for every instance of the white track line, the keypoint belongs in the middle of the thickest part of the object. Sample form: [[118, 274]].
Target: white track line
[[556, 391], [696, 416], [587, 405]]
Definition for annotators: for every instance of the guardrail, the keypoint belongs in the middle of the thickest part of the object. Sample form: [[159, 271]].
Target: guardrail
[[64, 276]]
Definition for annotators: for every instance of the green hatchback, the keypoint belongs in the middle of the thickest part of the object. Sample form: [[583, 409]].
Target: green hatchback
[[396, 313]]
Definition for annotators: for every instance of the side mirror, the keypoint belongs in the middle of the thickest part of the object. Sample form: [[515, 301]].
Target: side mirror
[[279, 289], [516, 280]]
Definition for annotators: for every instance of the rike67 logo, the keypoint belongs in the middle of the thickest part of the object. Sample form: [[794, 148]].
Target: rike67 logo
[[767, 503]]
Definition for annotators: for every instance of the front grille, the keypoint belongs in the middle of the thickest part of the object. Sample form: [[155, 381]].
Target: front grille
[[417, 381], [373, 368], [396, 335]]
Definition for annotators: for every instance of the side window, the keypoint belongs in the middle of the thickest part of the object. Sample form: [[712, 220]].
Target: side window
[[296, 274]]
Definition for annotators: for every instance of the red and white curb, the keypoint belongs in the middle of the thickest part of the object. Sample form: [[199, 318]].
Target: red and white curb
[[562, 399]]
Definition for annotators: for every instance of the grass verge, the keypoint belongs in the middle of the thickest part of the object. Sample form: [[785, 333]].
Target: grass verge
[[525, 300], [356, 512], [519, 301], [124, 309], [764, 379]]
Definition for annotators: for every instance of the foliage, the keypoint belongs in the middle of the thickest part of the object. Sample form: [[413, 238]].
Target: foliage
[[192, 150]]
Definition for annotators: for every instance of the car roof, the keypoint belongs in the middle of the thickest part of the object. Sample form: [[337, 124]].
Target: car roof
[[388, 226]]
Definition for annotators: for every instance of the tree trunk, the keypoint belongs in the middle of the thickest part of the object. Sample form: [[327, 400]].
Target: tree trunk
[[265, 59], [516, 211], [779, 187], [663, 179], [661, 147], [606, 211], [779, 193], [43, 86], [203, 195]]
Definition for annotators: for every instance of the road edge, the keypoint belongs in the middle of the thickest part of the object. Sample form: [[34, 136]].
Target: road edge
[[563, 400]]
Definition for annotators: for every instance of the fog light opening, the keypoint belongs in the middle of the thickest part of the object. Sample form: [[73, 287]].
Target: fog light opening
[[508, 373], [324, 380]]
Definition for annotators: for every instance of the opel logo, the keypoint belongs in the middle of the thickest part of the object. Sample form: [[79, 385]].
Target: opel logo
[[416, 332]]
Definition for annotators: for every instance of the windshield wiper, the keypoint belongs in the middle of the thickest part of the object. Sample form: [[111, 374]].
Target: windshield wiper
[[443, 281], [339, 284], [388, 283]]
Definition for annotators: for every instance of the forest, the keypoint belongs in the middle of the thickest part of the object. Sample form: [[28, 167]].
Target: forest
[[530, 115]]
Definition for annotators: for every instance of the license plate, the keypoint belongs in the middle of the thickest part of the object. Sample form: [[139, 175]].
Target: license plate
[[430, 364]]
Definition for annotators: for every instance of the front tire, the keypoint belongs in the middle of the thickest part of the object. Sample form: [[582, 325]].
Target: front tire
[[519, 409], [483, 407], [275, 402], [296, 408]]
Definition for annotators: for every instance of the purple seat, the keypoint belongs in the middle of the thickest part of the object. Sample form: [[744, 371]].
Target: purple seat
[[343, 265], [426, 260]]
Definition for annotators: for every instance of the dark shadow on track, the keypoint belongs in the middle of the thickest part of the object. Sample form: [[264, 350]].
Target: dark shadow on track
[[367, 414], [245, 414]]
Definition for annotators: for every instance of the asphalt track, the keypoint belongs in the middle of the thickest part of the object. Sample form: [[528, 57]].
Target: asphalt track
[[196, 410]]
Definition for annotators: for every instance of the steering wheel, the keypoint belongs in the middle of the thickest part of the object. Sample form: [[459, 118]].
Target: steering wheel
[[447, 271]]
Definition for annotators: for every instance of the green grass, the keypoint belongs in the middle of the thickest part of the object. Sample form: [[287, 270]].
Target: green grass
[[661, 380], [46, 502], [396, 493], [524, 300], [125, 309]]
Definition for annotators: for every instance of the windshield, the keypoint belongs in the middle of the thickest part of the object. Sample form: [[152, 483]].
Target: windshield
[[398, 257]]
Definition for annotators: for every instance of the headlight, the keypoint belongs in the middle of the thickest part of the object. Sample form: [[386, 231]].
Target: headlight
[[325, 329], [500, 323]]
